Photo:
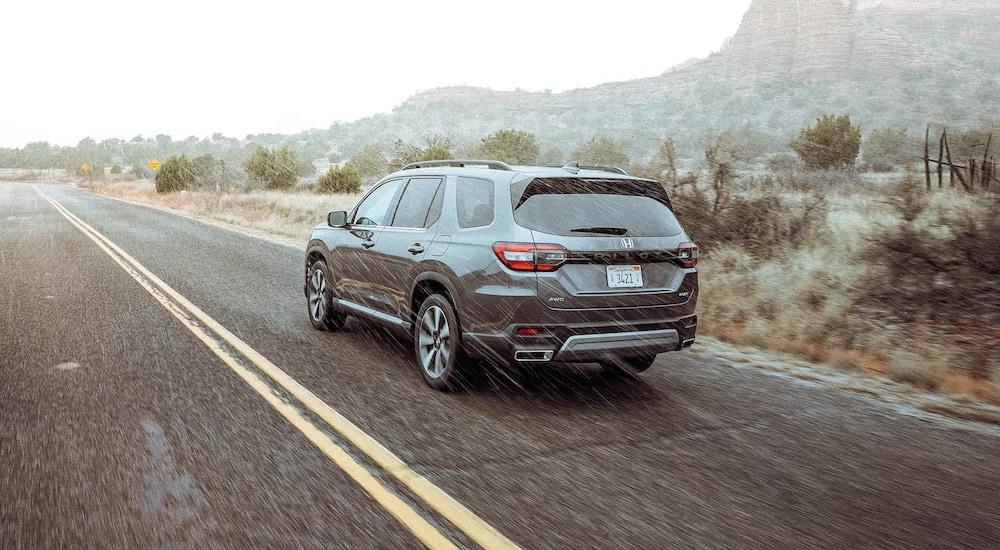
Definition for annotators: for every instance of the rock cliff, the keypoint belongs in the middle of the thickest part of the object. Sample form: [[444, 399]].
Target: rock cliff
[[816, 40]]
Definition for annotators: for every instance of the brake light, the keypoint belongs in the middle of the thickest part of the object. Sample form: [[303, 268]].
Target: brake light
[[687, 254], [531, 257]]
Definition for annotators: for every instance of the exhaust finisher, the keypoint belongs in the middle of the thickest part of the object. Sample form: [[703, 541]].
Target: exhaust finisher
[[533, 355]]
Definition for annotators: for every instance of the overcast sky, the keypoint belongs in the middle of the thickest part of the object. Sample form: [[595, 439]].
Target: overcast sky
[[120, 68]]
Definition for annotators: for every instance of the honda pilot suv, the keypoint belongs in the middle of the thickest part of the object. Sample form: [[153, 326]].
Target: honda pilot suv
[[520, 265]]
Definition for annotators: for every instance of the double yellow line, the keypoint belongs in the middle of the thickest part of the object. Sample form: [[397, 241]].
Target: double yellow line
[[210, 332]]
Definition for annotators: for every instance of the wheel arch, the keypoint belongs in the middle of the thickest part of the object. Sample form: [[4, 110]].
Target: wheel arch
[[430, 283], [314, 253]]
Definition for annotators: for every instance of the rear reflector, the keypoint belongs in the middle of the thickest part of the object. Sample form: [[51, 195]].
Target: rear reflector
[[687, 255]]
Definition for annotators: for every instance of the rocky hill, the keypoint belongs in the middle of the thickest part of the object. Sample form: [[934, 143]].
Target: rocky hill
[[901, 63]]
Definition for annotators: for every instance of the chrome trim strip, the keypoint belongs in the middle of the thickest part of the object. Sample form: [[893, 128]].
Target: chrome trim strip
[[369, 312], [647, 340]]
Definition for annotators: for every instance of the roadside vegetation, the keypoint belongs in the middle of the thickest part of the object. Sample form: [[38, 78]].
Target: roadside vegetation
[[860, 268]]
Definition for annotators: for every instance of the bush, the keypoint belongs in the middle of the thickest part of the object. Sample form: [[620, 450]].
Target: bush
[[205, 170], [369, 162], [435, 152], [116, 170], [513, 146], [140, 170], [273, 169], [887, 148], [339, 180], [832, 144], [942, 261], [601, 151], [761, 226], [176, 174]]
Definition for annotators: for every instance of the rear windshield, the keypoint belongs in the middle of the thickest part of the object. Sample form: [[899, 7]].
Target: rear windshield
[[571, 206]]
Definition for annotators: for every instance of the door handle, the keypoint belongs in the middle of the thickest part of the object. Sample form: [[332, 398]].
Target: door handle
[[415, 248], [368, 244]]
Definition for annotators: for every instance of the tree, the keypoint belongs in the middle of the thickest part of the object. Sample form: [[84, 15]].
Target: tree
[[438, 148], [663, 167], [435, 152], [369, 162], [274, 169], [601, 151], [888, 147], [208, 171], [833, 143], [747, 143], [513, 146], [339, 180], [176, 174]]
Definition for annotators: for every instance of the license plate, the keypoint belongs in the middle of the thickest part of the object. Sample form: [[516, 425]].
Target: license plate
[[624, 276]]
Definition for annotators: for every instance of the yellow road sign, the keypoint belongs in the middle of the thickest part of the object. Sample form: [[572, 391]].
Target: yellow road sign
[[86, 167], [154, 165]]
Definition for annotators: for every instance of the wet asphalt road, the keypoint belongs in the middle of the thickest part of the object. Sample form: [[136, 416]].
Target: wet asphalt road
[[120, 429]]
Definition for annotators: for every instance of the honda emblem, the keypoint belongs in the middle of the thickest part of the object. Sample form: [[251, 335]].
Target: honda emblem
[[628, 242]]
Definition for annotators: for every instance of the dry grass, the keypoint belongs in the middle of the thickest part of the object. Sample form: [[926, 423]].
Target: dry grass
[[285, 214], [27, 175], [811, 298]]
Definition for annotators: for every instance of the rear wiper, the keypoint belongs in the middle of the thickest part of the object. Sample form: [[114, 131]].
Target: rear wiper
[[605, 230]]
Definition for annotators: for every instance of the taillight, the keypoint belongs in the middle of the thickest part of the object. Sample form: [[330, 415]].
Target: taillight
[[531, 257], [687, 254]]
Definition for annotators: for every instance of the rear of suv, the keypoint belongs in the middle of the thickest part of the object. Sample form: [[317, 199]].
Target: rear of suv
[[478, 260]]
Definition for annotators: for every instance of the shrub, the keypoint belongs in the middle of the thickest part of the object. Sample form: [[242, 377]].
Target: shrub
[[601, 151], [116, 169], [435, 152], [758, 225], [339, 180], [273, 169], [140, 170], [941, 262], [369, 162], [176, 174], [438, 148], [513, 146], [833, 143]]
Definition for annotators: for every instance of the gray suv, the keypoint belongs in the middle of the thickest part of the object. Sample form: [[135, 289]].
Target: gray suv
[[477, 260]]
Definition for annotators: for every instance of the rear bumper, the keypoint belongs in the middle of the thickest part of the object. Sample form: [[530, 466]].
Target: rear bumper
[[583, 343], [588, 347]]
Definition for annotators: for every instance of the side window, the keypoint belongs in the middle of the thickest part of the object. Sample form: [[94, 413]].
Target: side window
[[474, 202], [416, 201], [376, 208]]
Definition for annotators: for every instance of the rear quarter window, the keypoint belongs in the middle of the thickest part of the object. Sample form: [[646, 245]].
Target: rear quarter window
[[474, 202], [559, 205]]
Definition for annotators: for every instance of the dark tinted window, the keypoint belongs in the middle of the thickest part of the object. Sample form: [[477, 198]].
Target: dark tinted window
[[375, 209], [561, 205], [415, 204], [474, 202]]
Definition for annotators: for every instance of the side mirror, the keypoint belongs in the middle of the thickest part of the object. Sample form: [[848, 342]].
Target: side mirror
[[337, 219]]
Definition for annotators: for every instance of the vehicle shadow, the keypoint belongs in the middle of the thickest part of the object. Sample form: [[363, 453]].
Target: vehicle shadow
[[562, 385]]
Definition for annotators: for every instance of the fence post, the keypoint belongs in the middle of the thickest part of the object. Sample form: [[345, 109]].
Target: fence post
[[989, 141], [927, 157], [941, 159]]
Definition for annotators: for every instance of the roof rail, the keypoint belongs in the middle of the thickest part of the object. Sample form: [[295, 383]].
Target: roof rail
[[460, 163], [575, 167]]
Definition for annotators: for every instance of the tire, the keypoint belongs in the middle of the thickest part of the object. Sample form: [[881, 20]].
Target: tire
[[437, 344], [319, 299], [630, 365]]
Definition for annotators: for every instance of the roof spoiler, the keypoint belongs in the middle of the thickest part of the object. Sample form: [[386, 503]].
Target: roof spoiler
[[575, 167]]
